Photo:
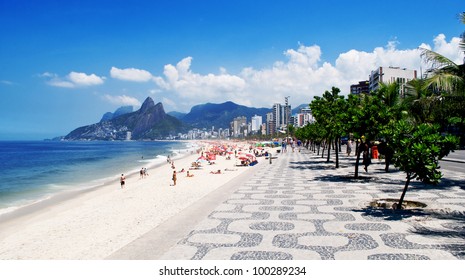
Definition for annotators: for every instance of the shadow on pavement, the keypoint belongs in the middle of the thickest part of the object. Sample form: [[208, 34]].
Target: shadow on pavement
[[390, 214]]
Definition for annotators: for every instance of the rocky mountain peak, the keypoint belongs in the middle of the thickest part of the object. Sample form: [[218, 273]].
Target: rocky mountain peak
[[147, 105]]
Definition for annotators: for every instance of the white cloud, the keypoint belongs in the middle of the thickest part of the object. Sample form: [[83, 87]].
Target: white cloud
[[122, 100], [196, 87], [82, 79], [130, 74], [301, 76], [450, 50], [56, 82], [73, 80], [169, 102]]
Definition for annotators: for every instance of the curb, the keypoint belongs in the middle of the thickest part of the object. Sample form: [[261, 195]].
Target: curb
[[453, 160]]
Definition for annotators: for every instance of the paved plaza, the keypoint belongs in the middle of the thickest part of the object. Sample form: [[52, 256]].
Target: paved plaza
[[300, 207]]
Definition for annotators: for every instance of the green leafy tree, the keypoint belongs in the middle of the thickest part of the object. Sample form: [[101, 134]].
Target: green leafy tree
[[418, 149], [311, 132], [329, 112], [367, 116]]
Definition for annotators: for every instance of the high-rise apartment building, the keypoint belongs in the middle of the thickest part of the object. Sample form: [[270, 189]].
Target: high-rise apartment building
[[270, 124], [387, 75], [256, 123], [304, 117], [361, 87], [281, 116], [239, 126]]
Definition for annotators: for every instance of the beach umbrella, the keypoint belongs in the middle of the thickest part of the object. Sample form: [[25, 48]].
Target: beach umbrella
[[201, 159]]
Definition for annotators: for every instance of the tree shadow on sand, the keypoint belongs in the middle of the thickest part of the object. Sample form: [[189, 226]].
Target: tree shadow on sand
[[451, 231], [312, 165], [449, 183], [445, 184], [381, 179], [361, 179], [376, 213]]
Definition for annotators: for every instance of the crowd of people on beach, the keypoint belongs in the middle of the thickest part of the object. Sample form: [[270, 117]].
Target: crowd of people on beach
[[243, 155], [247, 154]]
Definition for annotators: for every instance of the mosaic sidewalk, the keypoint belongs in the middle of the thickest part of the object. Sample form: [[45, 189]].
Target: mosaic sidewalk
[[300, 207]]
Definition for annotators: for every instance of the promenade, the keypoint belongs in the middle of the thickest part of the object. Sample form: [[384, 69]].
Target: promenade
[[302, 208]]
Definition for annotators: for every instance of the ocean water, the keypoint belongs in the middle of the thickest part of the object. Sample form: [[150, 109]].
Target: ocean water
[[35, 170]]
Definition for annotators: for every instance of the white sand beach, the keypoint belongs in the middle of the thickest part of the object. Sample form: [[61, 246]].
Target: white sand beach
[[94, 224]]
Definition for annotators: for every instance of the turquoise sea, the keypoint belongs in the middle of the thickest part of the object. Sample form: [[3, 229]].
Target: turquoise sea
[[35, 170]]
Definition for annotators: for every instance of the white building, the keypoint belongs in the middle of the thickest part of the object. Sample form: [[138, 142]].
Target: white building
[[239, 126], [281, 116], [387, 75], [256, 123], [270, 124]]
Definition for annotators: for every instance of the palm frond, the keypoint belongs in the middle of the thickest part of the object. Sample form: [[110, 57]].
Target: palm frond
[[462, 42], [443, 81], [436, 60]]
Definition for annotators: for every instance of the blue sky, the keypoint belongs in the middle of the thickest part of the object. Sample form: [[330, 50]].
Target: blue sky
[[65, 63]]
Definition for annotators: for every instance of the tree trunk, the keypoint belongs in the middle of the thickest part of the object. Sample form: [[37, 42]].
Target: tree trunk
[[323, 150], [401, 200], [337, 153], [357, 160], [329, 149]]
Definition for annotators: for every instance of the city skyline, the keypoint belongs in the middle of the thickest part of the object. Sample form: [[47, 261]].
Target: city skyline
[[65, 64]]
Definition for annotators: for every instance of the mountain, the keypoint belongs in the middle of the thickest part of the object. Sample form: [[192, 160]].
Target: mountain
[[120, 111], [149, 122], [220, 115], [177, 115]]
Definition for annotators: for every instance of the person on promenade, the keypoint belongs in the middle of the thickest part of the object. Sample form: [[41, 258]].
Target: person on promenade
[[366, 156], [174, 178], [122, 180], [349, 147]]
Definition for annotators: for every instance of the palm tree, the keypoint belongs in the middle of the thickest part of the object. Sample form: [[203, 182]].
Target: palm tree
[[421, 102], [446, 76], [443, 92], [462, 19]]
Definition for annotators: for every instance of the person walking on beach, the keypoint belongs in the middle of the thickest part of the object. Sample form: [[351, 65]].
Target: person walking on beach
[[366, 156], [174, 178], [349, 147], [122, 180]]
